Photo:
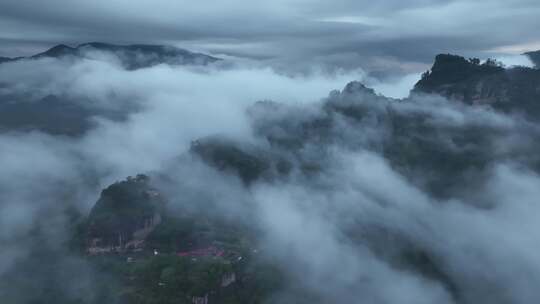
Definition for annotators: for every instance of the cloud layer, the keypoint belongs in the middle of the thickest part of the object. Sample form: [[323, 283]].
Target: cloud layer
[[419, 200]]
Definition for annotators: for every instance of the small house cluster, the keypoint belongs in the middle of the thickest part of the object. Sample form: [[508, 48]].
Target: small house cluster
[[200, 300], [203, 252], [227, 279]]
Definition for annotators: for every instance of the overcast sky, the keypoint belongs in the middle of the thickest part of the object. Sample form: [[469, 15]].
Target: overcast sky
[[344, 33]]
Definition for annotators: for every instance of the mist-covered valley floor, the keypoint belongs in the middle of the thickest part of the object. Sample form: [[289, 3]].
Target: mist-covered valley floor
[[230, 182]]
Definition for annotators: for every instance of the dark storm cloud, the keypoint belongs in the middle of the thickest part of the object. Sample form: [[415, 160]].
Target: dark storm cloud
[[300, 31]]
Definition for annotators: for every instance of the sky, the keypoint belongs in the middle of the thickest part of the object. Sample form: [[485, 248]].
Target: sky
[[378, 36]]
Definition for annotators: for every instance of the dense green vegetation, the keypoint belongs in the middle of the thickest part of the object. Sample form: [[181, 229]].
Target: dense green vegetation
[[159, 273], [172, 279]]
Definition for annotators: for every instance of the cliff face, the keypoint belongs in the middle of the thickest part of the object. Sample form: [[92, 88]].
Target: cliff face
[[512, 90], [457, 78], [126, 213], [535, 58]]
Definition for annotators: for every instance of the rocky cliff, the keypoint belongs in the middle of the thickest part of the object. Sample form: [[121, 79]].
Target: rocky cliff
[[515, 89], [535, 57], [126, 213]]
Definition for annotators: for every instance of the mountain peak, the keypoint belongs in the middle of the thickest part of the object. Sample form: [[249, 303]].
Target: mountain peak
[[449, 69], [57, 51], [473, 82], [94, 44], [355, 87]]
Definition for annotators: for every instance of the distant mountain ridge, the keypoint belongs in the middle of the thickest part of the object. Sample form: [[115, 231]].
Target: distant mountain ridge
[[132, 57], [56, 114]]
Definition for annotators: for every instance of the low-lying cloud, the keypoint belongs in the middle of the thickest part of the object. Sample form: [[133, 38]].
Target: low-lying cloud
[[367, 213]]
